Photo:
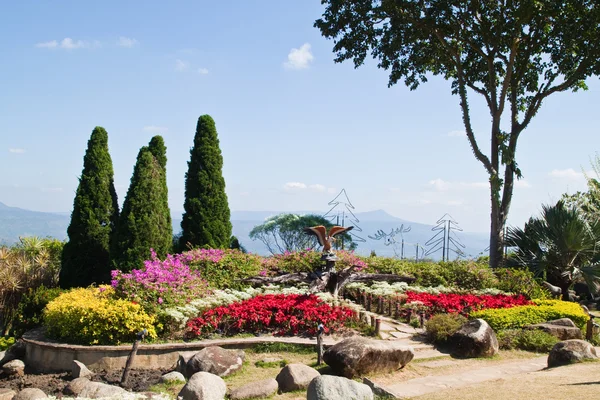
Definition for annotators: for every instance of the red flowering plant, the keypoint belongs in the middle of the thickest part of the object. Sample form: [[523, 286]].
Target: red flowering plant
[[463, 303], [280, 314]]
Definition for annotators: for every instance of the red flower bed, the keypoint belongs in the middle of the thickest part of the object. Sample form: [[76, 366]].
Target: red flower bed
[[280, 314], [464, 303]]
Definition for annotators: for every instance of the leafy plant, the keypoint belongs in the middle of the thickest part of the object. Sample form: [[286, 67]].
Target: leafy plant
[[30, 312], [526, 339], [520, 281], [6, 342], [440, 327]]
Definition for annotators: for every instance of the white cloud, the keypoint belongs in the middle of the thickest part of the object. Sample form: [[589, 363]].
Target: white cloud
[[318, 187], [457, 134], [439, 184], [299, 58], [181, 65], [48, 45], [67, 44], [332, 190], [202, 71], [153, 128], [522, 183], [568, 173], [16, 151], [289, 186], [127, 42]]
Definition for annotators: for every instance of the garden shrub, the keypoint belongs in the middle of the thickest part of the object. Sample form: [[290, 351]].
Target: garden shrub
[[6, 342], [31, 307], [309, 260], [93, 316], [224, 268], [520, 281], [526, 339], [440, 327], [541, 311], [277, 313]]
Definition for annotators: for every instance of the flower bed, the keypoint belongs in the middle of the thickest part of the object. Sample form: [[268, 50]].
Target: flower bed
[[463, 304], [281, 314]]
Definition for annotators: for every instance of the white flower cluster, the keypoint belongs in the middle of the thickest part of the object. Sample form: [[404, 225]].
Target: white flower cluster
[[387, 289]]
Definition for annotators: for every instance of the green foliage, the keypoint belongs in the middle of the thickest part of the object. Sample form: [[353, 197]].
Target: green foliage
[[465, 274], [285, 233], [282, 347], [145, 221], [441, 326], [520, 281], [588, 202], [271, 364], [228, 269], [513, 54], [85, 257], [560, 246], [31, 307], [6, 342], [28, 264], [235, 244], [526, 339], [91, 316], [206, 220], [544, 310]]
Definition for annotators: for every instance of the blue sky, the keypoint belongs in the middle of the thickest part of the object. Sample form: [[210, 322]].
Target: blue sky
[[294, 126]]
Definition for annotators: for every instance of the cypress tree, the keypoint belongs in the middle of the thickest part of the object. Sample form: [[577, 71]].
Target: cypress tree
[[206, 220], [145, 222], [85, 257]]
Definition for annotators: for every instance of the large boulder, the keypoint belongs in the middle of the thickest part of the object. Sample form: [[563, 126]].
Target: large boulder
[[571, 351], [14, 352], [203, 386], [83, 387], [30, 394], [474, 339], [172, 377], [295, 377], [79, 370], [215, 360], [563, 329], [7, 394], [357, 356], [327, 387], [14, 367], [255, 390]]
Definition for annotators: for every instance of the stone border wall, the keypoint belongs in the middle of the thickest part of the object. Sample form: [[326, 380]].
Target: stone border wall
[[48, 356]]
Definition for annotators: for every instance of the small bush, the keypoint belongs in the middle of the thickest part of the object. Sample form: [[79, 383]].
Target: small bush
[[271, 364], [440, 327], [224, 268], [6, 342], [92, 316], [542, 311], [528, 340], [31, 308], [520, 281]]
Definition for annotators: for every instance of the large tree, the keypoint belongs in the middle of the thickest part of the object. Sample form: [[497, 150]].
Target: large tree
[[206, 220], [514, 54], [284, 232], [145, 221], [85, 257]]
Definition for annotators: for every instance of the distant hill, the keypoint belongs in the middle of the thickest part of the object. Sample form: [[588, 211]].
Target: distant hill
[[16, 222]]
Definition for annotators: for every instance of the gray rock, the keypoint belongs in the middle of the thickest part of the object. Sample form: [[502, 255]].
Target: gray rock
[[571, 351], [327, 387], [563, 329], [474, 339], [204, 386], [14, 367], [183, 359], [30, 394], [358, 356], [253, 390], [215, 360], [295, 377], [172, 377], [378, 390], [79, 370], [7, 394], [83, 387]]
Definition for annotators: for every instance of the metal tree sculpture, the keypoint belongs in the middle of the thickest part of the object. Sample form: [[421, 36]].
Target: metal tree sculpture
[[445, 239], [389, 239], [340, 211]]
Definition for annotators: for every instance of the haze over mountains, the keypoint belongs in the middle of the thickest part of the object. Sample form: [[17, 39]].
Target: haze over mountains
[[16, 222]]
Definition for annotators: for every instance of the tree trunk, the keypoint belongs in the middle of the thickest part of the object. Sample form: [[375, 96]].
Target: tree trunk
[[496, 233]]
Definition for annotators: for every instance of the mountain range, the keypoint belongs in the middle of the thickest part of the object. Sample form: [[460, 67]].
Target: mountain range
[[17, 222]]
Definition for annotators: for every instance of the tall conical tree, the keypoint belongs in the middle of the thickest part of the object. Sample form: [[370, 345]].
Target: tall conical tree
[[85, 257], [145, 221], [206, 220]]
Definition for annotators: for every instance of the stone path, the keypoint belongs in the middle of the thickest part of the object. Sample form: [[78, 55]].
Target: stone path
[[429, 384]]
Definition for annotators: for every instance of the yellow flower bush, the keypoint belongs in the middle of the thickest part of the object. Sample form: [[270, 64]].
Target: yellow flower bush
[[92, 316], [542, 311]]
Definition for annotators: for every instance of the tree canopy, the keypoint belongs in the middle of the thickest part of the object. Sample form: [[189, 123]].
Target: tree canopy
[[284, 232], [514, 54], [85, 257]]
